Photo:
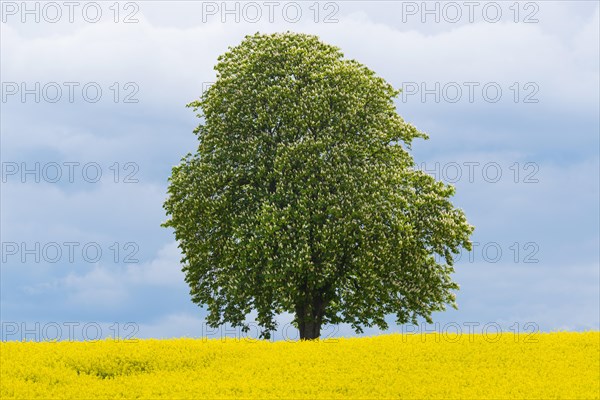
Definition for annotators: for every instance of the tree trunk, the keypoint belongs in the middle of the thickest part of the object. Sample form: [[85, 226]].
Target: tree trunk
[[310, 330], [310, 318]]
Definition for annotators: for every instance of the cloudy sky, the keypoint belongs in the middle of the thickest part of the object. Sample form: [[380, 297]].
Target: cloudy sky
[[93, 118]]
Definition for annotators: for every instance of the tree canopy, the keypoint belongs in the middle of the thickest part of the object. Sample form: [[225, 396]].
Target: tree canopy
[[302, 196]]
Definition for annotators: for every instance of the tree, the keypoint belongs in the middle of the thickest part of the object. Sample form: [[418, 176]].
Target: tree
[[303, 198]]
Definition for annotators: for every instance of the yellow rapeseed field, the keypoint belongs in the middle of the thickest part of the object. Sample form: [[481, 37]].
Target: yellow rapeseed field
[[540, 366]]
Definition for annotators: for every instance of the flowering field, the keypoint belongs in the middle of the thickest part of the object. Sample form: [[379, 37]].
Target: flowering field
[[553, 365]]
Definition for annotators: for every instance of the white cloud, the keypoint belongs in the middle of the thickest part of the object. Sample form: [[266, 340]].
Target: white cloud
[[106, 285], [171, 63]]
